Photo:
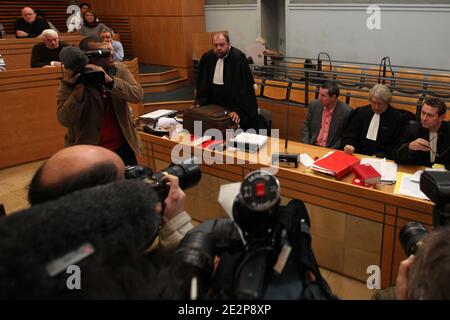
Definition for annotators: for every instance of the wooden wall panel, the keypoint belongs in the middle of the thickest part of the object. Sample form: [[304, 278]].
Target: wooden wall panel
[[156, 8], [190, 26], [193, 8]]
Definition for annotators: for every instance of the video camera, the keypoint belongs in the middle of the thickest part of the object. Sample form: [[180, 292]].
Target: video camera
[[436, 186], [254, 245], [188, 174], [76, 60]]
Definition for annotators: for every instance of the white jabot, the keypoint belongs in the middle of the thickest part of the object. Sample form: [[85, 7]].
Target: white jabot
[[372, 132], [433, 146], [218, 72]]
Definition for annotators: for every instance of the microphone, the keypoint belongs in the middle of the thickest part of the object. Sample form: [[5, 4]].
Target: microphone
[[73, 58], [44, 235]]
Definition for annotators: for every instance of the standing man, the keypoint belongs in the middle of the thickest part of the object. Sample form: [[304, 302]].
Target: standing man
[[326, 118], [98, 114], [117, 49], [374, 129], [46, 54], [428, 141], [29, 26], [225, 79]]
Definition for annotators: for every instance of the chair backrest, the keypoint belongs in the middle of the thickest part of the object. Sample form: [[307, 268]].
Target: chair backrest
[[439, 84], [275, 89], [409, 81], [404, 102], [297, 93], [358, 98], [349, 75]]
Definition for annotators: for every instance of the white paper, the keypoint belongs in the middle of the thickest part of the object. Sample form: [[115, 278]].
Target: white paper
[[227, 194], [250, 138], [411, 188], [157, 114], [306, 160], [387, 169], [165, 122], [418, 173]]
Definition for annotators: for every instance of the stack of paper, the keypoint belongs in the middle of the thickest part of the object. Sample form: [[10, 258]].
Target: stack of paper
[[249, 141], [408, 187], [150, 118], [387, 169]]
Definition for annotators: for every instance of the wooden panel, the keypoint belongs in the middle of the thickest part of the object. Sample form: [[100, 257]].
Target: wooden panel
[[201, 43], [139, 7], [191, 25], [29, 129]]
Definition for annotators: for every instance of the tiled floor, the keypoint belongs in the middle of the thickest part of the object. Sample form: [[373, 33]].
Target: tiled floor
[[13, 194]]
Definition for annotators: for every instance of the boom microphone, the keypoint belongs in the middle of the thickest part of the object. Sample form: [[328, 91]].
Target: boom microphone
[[35, 240]]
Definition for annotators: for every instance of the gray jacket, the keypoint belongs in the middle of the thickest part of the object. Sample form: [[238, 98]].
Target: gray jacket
[[313, 123]]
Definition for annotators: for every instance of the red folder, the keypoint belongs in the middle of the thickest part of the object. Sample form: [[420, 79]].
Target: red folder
[[337, 164], [366, 174]]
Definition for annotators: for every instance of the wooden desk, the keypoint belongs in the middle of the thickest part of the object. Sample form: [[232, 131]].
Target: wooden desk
[[353, 227], [17, 52], [29, 129]]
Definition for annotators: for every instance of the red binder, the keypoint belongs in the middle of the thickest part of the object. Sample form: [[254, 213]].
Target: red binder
[[366, 174], [337, 164]]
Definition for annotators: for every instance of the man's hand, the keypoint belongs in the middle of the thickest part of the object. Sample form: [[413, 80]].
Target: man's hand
[[21, 34], [71, 79], [349, 149], [95, 67], [235, 117], [419, 145], [401, 284], [175, 199]]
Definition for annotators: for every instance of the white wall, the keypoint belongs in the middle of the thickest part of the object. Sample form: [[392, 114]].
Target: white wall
[[412, 35], [242, 21]]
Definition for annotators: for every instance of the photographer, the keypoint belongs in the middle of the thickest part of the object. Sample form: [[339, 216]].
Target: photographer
[[96, 112], [80, 167]]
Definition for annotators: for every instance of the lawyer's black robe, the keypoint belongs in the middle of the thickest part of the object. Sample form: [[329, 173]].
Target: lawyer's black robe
[[237, 93]]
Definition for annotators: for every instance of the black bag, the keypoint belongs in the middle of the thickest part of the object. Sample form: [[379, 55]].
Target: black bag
[[211, 116]]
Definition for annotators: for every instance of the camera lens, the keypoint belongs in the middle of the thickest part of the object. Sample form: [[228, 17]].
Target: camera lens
[[188, 174], [410, 234]]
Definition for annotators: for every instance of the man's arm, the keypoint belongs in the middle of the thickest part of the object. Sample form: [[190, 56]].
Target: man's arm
[[306, 129], [70, 101], [126, 87], [403, 153], [346, 112], [36, 58], [350, 134]]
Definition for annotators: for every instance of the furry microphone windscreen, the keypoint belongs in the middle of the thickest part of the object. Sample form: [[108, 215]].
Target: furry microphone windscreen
[[117, 215]]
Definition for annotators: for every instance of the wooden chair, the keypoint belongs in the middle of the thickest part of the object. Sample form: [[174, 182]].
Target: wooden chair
[[438, 84], [297, 93], [409, 81], [274, 89], [358, 98], [405, 102], [349, 75]]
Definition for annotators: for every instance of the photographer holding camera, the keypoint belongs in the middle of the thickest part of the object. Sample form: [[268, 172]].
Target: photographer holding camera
[[92, 100], [84, 166]]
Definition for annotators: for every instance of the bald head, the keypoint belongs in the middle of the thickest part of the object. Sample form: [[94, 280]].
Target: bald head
[[28, 14], [72, 169]]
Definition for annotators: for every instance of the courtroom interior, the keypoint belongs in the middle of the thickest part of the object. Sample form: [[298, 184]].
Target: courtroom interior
[[224, 149]]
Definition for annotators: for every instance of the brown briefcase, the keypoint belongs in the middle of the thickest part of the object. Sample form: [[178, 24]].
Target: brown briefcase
[[211, 116]]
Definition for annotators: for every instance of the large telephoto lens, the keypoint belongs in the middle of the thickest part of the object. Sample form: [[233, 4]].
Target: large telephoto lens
[[188, 174], [410, 235]]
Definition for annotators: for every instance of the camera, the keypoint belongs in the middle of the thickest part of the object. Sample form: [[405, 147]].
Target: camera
[[188, 174], [436, 186], [251, 246]]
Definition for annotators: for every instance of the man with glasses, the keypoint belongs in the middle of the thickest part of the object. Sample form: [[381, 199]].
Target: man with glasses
[[29, 26], [426, 142], [98, 114], [46, 54]]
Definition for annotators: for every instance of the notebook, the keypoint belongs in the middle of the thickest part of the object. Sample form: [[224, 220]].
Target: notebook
[[336, 164]]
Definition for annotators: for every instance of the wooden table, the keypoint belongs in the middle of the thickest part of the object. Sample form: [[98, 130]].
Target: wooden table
[[353, 227]]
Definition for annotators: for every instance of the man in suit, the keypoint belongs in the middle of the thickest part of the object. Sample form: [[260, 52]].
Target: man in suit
[[326, 118], [428, 141]]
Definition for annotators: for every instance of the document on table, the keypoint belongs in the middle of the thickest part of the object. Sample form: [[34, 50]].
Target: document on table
[[408, 187]]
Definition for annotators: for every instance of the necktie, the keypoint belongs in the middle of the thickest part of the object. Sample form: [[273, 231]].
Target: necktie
[[218, 72]]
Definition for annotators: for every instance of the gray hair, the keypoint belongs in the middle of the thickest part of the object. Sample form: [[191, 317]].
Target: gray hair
[[380, 92], [106, 29], [48, 32]]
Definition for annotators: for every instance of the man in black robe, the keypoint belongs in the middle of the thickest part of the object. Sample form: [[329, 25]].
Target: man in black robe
[[225, 79], [374, 129], [428, 141]]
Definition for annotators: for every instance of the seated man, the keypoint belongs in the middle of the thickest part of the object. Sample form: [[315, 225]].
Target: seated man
[[115, 46], [428, 141], [46, 54], [83, 166], [374, 129], [326, 118], [29, 26], [2, 64]]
